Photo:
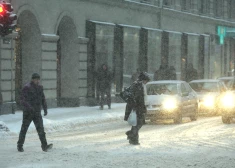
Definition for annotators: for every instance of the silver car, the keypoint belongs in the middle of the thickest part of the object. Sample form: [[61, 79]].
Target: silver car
[[170, 100], [210, 93]]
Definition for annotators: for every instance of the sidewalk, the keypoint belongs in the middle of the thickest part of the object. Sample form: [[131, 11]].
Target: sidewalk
[[59, 119]]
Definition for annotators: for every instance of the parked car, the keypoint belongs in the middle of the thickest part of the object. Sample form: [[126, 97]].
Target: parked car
[[170, 99], [210, 93]]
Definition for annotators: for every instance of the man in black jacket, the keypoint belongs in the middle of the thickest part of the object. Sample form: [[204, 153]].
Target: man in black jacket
[[137, 104], [104, 79], [32, 99]]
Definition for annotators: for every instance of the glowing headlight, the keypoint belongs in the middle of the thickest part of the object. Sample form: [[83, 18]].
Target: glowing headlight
[[209, 101], [169, 104], [228, 100]]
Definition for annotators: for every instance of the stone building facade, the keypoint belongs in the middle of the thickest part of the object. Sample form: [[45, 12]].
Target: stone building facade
[[66, 41]]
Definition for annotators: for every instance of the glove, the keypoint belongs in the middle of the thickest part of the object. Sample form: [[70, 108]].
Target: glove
[[45, 113]]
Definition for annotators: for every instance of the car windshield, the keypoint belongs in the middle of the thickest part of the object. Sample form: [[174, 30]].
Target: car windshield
[[204, 86], [227, 81], [162, 88]]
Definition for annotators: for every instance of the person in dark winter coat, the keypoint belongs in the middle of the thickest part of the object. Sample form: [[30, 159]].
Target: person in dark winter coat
[[137, 104], [104, 79], [135, 75], [158, 75], [32, 99], [172, 73], [191, 73]]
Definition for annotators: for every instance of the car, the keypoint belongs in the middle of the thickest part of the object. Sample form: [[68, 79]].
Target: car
[[229, 100], [170, 99], [210, 93]]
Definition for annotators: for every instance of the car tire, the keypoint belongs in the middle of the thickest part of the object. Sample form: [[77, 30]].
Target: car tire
[[226, 120], [194, 117], [178, 118]]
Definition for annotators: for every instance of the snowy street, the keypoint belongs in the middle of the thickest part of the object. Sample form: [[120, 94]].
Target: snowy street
[[86, 137]]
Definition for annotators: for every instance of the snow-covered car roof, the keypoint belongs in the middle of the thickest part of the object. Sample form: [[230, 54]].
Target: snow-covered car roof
[[204, 80], [165, 81], [226, 77]]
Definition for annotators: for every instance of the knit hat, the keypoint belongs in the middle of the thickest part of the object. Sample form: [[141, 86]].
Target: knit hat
[[35, 76], [144, 76]]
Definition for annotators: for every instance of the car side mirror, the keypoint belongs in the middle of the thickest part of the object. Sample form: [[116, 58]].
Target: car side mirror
[[185, 94]]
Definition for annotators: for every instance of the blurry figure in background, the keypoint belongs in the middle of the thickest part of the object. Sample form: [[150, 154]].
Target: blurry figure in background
[[97, 86], [137, 103], [172, 75], [163, 73], [158, 75], [135, 75], [191, 73], [104, 82]]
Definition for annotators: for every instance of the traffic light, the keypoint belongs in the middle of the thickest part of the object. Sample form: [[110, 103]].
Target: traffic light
[[6, 19]]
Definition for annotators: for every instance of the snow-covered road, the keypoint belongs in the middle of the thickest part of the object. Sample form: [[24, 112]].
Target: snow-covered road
[[205, 143]]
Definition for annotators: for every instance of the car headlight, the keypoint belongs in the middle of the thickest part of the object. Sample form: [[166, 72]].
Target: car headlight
[[169, 104], [228, 100], [209, 101]]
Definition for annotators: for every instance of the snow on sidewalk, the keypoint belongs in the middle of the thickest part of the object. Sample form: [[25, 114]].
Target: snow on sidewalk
[[59, 119]]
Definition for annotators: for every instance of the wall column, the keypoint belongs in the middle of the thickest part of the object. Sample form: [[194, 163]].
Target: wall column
[[49, 68], [7, 74]]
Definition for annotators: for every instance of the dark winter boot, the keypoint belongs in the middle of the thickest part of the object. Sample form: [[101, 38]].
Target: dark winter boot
[[20, 148], [129, 134], [134, 140], [45, 148]]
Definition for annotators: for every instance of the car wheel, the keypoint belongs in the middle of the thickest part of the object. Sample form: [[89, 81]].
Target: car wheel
[[178, 118], [226, 120], [195, 115]]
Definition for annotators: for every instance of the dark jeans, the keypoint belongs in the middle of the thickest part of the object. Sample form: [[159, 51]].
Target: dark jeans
[[134, 132], [38, 122], [106, 92]]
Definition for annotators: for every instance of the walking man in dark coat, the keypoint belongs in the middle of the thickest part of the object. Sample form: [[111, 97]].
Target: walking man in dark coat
[[137, 104], [32, 99], [104, 79], [191, 73]]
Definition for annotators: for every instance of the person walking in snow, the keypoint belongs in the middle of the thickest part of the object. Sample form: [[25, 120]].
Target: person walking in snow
[[172, 73], [191, 73], [104, 79], [137, 104], [32, 99]]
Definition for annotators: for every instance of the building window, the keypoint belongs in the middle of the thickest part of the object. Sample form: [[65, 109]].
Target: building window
[[231, 12], [218, 8], [203, 6], [167, 3], [186, 5]]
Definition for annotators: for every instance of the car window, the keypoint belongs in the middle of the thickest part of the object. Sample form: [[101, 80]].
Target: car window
[[162, 88], [222, 87], [188, 88], [183, 88], [204, 86]]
